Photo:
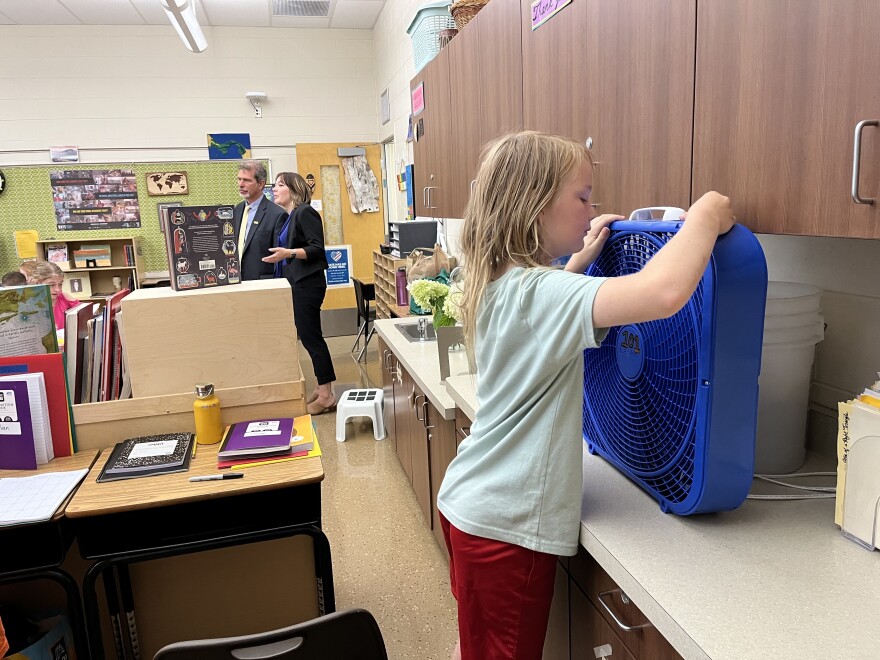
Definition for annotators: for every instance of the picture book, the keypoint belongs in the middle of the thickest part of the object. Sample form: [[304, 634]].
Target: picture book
[[201, 248], [51, 366], [27, 321], [25, 436], [148, 455], [57, 254], [257, 438], [92, 256]]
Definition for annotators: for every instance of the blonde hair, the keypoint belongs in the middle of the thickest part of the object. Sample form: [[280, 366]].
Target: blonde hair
[[44, 270], [520, 174], [27, 268]]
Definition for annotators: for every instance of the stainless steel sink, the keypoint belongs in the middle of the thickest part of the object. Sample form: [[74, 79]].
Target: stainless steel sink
[[412, 333]]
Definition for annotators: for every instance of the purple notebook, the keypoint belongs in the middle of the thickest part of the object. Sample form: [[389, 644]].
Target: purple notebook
[[17, 451], [266, 436]]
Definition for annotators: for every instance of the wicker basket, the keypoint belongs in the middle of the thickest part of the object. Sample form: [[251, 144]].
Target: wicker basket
[[446, 36], [464, 10]]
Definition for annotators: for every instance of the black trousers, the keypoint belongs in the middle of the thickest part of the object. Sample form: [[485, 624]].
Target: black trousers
[[308, 296]]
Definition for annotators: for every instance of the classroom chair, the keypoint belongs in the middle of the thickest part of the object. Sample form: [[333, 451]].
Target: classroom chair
[[346, 635], [363, 295]]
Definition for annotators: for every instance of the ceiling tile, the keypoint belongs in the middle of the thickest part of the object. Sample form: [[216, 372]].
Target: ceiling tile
[[47, 12], [151, 11], [237, 13], [96, 12], [361, 14]]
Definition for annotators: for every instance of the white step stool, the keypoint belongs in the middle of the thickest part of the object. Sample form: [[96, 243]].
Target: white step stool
[[361, 403]]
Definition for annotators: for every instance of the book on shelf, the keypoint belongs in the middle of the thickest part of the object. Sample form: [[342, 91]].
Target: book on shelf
[[77, 285], [303, 443], [27, 321], [92, 256], [25, 433], [201, 247], [257, 438], [128, 251], [51, 366], [58, 255], [76, 331], [148, 455], [110, 352]]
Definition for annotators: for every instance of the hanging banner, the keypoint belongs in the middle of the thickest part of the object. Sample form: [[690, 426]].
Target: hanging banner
[[338, 266], [95, 199]]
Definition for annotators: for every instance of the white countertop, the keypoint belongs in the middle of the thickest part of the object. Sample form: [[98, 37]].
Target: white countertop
[[769, 580], [421, 362], [463, 390]]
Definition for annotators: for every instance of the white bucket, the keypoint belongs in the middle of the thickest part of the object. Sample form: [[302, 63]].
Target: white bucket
[[785, 330], [783, 401], [791, 298]]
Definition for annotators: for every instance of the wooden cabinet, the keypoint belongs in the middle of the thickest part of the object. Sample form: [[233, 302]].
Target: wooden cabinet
[[500, 69], [433, 127], [96, 282], [404, 390], [384, 278], [780, 89], [591, 636], [618, 74], [421, 456], [389, 367], [442, 447]]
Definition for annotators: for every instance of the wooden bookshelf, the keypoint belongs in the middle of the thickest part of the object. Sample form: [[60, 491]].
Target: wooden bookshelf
[[384, 278], [126, 262]]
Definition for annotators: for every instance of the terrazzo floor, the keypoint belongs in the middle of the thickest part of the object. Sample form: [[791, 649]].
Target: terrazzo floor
[[385, 558]]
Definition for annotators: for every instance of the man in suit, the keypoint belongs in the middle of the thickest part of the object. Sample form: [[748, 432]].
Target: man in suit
[[257, 221]]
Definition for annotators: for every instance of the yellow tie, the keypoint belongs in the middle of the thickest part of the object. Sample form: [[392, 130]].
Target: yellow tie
[[242, 231]]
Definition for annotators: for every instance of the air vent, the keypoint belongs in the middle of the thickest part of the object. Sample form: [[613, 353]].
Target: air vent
[[301, 8]]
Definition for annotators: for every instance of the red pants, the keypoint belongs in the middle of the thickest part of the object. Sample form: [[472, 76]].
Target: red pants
[[503, 592]]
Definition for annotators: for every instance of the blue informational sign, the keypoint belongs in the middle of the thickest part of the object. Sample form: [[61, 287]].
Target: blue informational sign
[[338, 265]]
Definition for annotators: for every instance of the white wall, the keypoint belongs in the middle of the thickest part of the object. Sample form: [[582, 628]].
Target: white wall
[[136, 89]]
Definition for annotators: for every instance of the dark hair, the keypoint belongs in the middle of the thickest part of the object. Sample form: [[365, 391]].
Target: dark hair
[[300, 193], [256, 168], [14, 278]]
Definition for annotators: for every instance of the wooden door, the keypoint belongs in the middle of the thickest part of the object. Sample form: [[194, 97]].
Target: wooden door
[[431, 151], [589, 632], [465, 101], [780, 87], [441, 449], [404, 387], [421, 458]]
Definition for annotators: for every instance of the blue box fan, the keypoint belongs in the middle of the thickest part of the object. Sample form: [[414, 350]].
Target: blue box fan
[[673, 403]]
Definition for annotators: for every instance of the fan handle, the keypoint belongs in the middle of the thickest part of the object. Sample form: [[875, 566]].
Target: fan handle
[[669, 213]]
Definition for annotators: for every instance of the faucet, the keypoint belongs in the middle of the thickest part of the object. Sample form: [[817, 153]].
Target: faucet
[[423, 329]]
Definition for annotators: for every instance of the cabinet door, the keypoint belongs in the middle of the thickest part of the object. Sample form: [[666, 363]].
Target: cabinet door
[[431, 153], [464, 137], [388, 374], [621, 74], [780, 88], [462, 427], [556, 644], [421, 458], [404, 389], [501, 70], [590, 633], [441, 449]]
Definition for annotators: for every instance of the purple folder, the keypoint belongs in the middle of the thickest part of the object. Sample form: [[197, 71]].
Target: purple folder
[[258, 442], [17, 451]]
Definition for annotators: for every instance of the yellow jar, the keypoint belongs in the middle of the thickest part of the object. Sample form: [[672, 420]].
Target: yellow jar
[[206, 410]]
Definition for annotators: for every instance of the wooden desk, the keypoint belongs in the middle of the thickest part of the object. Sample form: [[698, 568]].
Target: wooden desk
[[36, 551], [134, 520]]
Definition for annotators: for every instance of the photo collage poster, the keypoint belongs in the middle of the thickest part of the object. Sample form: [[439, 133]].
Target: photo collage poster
[[200, 241], [95, 199]]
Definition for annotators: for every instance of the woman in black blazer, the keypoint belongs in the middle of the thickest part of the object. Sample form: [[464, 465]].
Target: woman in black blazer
[[305, 263]]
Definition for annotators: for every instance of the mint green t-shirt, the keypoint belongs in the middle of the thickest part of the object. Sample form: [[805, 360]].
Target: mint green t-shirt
[[518, 478]]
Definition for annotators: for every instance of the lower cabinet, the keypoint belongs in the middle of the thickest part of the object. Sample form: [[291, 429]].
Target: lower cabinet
[[389, 372], [592, 618]]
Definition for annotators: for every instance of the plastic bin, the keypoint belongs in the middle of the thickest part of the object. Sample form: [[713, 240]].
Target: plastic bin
[[424, 31], [792, 298]]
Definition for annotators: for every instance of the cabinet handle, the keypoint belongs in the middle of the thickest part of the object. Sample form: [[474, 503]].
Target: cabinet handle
[[429, 204], [619, 623], [416, 408], [412, 401], [473, 185], [857, 157], [425, 197], [425, 414]]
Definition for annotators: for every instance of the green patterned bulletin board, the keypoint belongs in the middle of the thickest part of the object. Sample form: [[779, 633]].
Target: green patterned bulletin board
[[27, 204]]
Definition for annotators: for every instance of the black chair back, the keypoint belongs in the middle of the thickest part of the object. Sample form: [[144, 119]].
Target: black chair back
[[347, 635], [364, 294]]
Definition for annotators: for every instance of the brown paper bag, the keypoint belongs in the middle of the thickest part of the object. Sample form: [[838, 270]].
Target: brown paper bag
[[427, 262]]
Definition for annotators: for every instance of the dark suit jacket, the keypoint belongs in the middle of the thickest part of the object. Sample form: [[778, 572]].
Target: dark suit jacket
[[266, 225], [306, 231]]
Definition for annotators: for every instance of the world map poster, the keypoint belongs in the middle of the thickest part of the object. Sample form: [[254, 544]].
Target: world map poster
[[229, 146], [95, 199]]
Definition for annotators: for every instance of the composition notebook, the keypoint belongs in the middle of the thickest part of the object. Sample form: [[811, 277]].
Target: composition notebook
[[148, 455], [257, 438]]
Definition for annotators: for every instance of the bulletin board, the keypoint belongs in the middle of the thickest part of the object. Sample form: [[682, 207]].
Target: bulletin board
[[27, 204]]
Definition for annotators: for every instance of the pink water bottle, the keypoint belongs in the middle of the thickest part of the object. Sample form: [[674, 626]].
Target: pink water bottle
[[402, 293]]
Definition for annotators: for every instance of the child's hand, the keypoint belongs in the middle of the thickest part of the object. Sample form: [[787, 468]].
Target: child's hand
[[594, 241], [713, 208]]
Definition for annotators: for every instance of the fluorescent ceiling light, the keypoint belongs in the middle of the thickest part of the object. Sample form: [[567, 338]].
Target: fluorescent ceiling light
[[182, 14]]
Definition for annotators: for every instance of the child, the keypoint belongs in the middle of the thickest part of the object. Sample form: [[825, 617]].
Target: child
[[511, 499], [13, 278], [46, 272]]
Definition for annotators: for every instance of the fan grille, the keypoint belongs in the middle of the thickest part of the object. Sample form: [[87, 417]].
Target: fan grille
[[640, 387]]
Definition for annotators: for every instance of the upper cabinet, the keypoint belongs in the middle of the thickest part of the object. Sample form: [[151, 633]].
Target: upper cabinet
[[619, 75], [781, 87]]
